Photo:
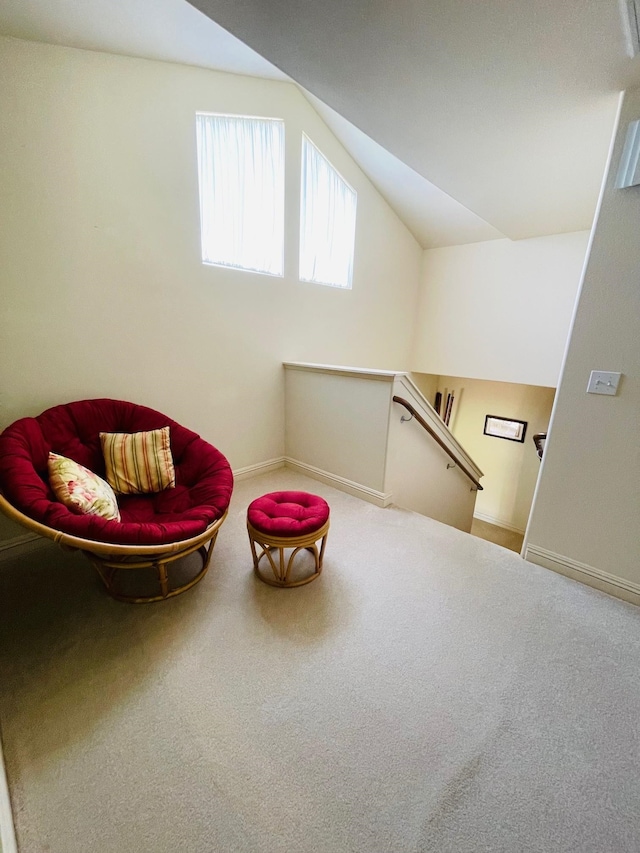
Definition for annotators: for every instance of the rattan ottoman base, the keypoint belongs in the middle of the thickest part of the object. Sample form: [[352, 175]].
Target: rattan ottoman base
[[277, 546]]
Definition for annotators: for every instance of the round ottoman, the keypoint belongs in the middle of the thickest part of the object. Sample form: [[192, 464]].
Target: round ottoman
[[287, 520]]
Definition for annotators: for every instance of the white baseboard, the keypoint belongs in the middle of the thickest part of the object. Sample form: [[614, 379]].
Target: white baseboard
[[618, 587], [20, 545], [8, 843], [372, 496], [490, 519], [259, 468]]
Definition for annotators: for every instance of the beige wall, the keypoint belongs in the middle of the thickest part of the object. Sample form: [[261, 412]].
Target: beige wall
[[510, 468], [427, 383], [420, 474], [498, 310], [342, 427], [338, 423], [103, 289], [587, 508]]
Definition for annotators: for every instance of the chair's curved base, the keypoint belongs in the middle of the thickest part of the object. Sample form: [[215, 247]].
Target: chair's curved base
[[110, 559], [109, 571]]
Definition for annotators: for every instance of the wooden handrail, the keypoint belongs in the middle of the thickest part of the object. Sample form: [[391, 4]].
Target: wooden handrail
[[437, 438]]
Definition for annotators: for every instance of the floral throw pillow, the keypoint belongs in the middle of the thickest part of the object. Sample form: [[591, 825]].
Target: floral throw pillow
[[81, 490]]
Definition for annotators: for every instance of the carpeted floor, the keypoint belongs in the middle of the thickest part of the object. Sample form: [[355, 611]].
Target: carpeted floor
[[430, 693], [498, 535]]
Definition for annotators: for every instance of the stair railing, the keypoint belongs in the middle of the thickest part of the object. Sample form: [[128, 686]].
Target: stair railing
[[415, 414]]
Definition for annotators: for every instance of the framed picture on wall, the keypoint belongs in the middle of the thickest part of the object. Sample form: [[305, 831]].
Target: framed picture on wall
[[507, 428]]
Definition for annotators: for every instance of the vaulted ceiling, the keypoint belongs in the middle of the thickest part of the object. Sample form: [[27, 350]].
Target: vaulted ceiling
[[506, 105], [475, 119]]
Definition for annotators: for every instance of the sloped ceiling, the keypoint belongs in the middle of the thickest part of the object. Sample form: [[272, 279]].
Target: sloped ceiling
[[175, 31], [475, 119], [434, 218], [507, 106], [168, 30]]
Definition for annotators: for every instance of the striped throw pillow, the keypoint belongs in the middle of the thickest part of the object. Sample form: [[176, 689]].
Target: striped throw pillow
[[140, 462]]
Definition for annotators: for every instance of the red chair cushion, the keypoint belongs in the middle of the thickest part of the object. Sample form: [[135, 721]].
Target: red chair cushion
[[288, 513], [204, 481]]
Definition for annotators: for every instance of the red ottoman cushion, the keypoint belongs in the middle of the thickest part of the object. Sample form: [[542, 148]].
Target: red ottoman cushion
[[288, 513]]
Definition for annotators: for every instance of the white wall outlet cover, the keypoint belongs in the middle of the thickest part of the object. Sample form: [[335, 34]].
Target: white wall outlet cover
[[603, 382]]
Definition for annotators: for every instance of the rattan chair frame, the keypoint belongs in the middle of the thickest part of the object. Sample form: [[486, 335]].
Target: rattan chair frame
[[109, 558]]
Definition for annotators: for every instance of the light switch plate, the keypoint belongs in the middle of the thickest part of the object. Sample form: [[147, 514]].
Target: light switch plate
[[603, 382]]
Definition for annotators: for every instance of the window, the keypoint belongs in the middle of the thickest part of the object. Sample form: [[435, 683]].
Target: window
[[241, 175], [327, 221]]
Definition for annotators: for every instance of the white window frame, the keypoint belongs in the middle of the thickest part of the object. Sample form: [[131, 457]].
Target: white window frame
[[313, 267], [254, 240]]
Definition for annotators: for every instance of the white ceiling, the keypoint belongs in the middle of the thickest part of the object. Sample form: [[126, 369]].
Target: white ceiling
[[169, 30], [507, 106], [433, 217]]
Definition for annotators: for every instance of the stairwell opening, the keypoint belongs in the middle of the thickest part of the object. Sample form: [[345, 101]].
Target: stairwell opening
[[511, 468]]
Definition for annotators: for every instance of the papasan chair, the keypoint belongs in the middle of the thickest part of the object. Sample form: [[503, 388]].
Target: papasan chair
[[148, 527]]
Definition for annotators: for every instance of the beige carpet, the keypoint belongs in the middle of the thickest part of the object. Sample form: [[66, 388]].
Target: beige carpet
[[498, 535], [431, 692]]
